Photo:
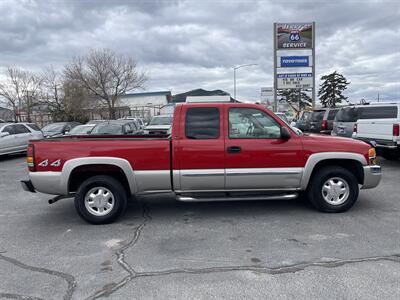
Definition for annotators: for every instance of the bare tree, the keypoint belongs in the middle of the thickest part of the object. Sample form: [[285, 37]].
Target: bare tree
[[52, 89], [20, 89], [106, 75]]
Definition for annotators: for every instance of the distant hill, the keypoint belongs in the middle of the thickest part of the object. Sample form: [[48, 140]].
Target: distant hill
[[199, 92]]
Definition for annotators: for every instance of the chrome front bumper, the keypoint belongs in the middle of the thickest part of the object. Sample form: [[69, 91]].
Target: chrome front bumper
[[372, 176]]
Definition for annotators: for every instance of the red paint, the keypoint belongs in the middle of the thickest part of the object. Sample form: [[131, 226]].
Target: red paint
[[154, 153]]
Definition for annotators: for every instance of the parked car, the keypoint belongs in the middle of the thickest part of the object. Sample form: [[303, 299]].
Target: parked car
[[14, 137], [95, 122], [382, 131], [159, 125], [304, 119], [204, 160], [58, 129], [316, 118], [346, 117], [116, 127], [81, 129], [139, 122], [327, 120], [282, 116]]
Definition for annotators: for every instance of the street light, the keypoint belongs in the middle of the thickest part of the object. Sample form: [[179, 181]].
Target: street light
[[234, 76]]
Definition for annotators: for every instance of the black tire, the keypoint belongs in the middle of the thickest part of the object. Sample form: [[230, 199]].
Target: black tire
[[321, 177], [390, 154], [118, 194]]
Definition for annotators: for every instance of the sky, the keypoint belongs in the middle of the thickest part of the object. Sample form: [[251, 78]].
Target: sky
[[184, 45]]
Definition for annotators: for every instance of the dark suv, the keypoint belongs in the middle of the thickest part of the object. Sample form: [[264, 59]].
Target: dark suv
[[316, 121]]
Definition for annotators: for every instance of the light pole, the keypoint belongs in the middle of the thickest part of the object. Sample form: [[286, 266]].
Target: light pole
[[234, 76]]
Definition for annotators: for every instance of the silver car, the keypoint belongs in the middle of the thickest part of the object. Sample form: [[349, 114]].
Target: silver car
[[14, 137]]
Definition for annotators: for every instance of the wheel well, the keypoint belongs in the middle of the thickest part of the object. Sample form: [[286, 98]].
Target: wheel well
[[351, 165], [81, 173]]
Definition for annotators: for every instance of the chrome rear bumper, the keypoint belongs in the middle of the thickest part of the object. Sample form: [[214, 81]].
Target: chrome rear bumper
[[372, 176]]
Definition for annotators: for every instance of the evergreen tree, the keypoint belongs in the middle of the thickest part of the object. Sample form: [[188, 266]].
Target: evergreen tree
[[296, 98], [330, 92]]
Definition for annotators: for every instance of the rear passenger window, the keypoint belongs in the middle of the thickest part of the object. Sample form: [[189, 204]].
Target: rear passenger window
[[19, 128], [10, 129], [202, 123], [332, 114], [381, 112]]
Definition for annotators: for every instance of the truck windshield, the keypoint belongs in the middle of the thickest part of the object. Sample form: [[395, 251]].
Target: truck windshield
[[161, 121]]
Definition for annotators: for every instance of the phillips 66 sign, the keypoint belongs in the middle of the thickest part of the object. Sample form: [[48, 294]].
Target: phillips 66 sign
[[294, 35]]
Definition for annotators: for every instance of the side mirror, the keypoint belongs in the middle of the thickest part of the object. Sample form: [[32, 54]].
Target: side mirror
[[285, 134], [4, 134]]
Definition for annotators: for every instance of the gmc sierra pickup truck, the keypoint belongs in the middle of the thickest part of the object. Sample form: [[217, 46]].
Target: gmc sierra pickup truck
[[216, 151]]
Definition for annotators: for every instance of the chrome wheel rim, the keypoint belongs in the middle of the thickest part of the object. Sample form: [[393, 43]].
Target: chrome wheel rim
[[99, 201], [335, 191]]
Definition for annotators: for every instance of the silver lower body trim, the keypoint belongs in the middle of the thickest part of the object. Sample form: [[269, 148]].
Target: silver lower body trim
[[153, 180], [372, 176], [48, 183], [263, 178]]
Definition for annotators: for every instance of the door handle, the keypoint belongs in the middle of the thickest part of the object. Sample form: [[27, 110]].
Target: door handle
[[234, 149]]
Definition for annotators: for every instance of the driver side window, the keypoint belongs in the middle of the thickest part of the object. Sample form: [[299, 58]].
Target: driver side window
[[251, 123]]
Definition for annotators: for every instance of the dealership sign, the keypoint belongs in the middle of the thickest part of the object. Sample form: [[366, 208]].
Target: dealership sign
[[293, 61], [295, 81], [294, 35]]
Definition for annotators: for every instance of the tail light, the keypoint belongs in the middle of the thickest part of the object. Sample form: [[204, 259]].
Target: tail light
[[324, 125], [355, 128], [30, 157], [396, 130]]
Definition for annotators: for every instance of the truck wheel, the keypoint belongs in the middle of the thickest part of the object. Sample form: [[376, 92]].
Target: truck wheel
[[100, 199], [333, 189], [390, 154]]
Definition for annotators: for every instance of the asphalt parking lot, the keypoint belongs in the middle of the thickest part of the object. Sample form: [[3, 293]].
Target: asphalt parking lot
[[163, 249]]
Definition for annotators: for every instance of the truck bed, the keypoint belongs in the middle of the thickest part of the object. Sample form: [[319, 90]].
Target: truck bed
[[142, 152]]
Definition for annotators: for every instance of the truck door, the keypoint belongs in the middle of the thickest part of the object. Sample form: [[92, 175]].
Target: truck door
[[198, 154], [256, 156]]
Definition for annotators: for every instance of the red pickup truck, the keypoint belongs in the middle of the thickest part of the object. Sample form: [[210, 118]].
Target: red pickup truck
[[216, 151]]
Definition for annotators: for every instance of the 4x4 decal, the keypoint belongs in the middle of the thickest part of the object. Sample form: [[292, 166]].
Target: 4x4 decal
[[55, 163], [44, 163]]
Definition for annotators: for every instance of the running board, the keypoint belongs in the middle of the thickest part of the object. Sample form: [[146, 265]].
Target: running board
[[245, 198]]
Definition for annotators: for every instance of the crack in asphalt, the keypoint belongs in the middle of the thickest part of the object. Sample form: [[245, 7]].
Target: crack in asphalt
[[120, 253], [67, 277], [18, 297], [294, 268], [110, 288], [271, 270]]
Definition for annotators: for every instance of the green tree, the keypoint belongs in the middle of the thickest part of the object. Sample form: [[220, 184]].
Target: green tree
[[332, 87], [296, 98]]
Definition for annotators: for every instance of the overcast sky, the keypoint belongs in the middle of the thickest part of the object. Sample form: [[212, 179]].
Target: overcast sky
[[184, 45]]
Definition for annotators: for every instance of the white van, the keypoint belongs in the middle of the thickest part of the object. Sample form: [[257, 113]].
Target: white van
[[380, 127]]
